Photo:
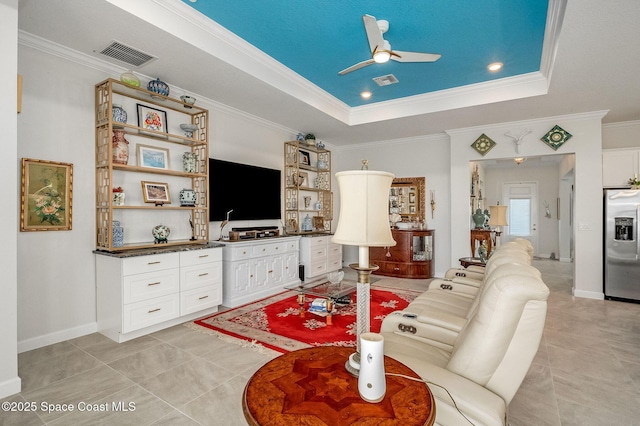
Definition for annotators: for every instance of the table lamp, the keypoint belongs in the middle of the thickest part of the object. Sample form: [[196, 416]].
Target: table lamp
[[363, 222], [498, 218]]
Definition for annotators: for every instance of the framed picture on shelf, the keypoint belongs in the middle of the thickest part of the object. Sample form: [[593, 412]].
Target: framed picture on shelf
[[302, 180], [156, 192], [46, 195], [151, 118], [304, 158], [152, 156]]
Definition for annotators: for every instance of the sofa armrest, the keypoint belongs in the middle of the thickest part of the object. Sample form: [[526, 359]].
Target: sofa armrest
[[469, 289], [406, 324], [478, 404], [466, 272]]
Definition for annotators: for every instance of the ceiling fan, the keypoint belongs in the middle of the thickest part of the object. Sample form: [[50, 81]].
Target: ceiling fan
[[381, 49]]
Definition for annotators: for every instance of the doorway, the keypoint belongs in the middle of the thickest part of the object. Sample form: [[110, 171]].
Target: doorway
[[522, 212]]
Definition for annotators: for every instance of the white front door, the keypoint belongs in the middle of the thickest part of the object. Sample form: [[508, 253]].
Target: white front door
[[521, 200]]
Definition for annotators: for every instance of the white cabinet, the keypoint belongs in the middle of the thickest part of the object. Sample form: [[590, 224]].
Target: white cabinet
[[141, 294], [619, 165], [319, 255], [254, 269]]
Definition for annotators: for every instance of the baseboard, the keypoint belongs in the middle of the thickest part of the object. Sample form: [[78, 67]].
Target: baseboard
[[56, 337], [10, 387], [588, 294], [566, 259]]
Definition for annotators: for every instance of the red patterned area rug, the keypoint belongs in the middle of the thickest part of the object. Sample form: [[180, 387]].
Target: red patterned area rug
[[275, 322]]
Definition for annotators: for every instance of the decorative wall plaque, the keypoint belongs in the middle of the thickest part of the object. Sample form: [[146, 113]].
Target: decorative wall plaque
[[556, 137], [483, 144]]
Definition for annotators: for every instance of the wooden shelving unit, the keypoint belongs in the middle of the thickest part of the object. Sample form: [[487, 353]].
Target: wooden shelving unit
[[135, 215], [303, 178]]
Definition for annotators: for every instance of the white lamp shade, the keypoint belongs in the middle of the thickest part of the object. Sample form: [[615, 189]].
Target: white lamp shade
[[498, 216], [364, 212]]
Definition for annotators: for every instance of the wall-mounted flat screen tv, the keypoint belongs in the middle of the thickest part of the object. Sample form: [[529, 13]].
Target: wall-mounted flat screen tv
[[252, 192]]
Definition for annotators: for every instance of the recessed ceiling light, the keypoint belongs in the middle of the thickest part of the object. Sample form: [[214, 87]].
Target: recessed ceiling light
[[365, 94], [495, 66]]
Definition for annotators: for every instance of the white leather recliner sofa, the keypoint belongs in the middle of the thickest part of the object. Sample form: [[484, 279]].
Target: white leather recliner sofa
[[474, 363]]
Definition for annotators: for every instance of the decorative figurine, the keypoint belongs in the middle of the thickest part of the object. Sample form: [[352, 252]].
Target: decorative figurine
[[160, 234]]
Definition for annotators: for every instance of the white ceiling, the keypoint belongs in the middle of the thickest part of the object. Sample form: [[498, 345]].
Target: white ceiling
[[596, 67]]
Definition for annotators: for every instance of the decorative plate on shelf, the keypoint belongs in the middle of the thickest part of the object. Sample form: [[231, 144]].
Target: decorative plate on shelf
[[483, 144], [556, 137]]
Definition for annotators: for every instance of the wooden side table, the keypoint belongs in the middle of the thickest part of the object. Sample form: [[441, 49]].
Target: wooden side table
[[480, 235], [311, 387]]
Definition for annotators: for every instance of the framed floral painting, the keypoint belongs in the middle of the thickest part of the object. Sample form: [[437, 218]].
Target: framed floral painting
[[151, 118], [47, 188]]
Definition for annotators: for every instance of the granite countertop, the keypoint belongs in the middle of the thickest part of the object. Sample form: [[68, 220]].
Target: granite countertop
[[159, 250]]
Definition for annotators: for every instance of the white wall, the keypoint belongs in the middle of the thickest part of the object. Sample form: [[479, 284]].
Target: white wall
[[621, 135], [546, 177], [9, 170], [427, 157], [586, 144], [55, 270]]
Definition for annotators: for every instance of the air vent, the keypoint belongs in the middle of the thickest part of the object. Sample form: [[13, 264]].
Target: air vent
[[386, 80], [127, 54]]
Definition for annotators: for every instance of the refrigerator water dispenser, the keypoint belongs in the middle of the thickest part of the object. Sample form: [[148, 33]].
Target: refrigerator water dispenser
[[624, 229]]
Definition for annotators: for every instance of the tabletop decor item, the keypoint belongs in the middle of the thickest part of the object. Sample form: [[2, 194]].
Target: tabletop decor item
[[118, 114], [130, 78], [556, 137], [46, 195], [118, 196], [152, 156], [117, 234], [189, 100], [160, 234], [188, 129], [634, 182], [189, 160], [158, 86], [483, 144], [119, 147], [307, 224], [188, 197], [152, 119], [156, 192]]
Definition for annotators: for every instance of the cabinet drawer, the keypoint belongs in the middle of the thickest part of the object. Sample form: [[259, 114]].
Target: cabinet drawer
[[268, 249], [150, 263], [200, 298], [200, 275], [334, 250], [238, 253], [316, 268], [293, 245], [314, 242], [153, 284], [334, 263], [198, 257], [149, 312], [318, 253]]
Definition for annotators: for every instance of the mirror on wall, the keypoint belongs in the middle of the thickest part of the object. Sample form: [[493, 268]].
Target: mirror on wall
[[406, 198]]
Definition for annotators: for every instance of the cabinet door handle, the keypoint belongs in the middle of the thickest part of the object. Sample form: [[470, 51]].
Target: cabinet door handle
[[271, 271], [204, 255], [202, 275], [156, 283], [153, 263], [154, 310], [203, 297]]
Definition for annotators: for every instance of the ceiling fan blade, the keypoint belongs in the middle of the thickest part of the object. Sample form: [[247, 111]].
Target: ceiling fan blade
[[357, 66], [374, 35], [414, 56]]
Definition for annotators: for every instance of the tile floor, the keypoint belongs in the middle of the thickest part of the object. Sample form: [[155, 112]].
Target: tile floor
[[587, 371]]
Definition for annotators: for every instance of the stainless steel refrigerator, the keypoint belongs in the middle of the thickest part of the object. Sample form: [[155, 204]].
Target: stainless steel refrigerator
[[622, 244]]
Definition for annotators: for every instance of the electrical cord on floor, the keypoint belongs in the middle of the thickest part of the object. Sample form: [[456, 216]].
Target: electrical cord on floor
[[434, 384]]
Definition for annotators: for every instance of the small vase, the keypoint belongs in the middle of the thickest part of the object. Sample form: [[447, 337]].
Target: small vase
[[188, 197], [130, 78], [120, 147], [118, 198], [189, 162], [118, 114], [117, 234]]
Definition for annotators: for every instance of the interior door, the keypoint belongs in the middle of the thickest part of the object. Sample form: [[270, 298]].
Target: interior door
[[522, 212]]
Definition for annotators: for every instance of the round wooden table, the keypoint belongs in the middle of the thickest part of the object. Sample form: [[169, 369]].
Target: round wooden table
[[311, 387]]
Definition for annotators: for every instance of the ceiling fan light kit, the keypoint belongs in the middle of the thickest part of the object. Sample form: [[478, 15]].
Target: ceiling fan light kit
[[381, 49]]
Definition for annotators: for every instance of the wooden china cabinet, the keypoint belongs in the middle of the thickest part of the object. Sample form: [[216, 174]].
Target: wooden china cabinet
[[411, 257]]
